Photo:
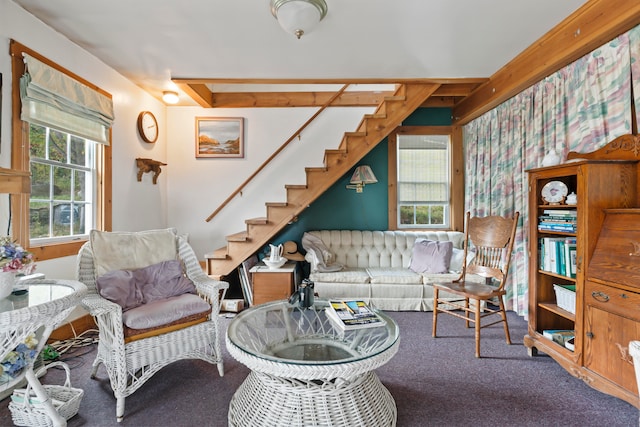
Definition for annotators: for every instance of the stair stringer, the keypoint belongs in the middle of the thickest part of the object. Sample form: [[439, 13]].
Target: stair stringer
[[354, 146]]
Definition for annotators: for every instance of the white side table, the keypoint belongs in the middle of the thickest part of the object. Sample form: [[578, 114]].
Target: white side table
[[39, 311]]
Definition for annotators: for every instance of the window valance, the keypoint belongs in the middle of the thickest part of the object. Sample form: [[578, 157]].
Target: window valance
[[53, 99]]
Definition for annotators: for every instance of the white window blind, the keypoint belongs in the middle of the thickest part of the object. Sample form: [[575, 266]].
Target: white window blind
[[53, 99], [423, 169]]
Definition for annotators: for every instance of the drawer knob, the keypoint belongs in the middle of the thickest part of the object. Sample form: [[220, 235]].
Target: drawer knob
[[600, 296], [589, 334]]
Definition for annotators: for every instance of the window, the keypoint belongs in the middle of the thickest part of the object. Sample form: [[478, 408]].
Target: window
[[63, 171], [421, 179], [70, 172]]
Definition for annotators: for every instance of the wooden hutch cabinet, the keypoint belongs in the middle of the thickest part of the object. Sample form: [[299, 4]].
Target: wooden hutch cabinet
[[605, 179]]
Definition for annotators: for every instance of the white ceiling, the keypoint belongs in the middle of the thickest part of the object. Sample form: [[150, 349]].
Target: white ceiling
[[152, 41]]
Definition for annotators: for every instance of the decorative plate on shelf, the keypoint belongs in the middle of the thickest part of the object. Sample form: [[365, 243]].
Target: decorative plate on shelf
[[554, 192]]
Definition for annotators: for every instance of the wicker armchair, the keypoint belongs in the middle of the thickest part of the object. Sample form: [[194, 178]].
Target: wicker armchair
[[130, 363]]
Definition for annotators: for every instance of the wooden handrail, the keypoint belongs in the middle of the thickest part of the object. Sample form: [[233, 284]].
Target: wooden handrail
[[275, 153]]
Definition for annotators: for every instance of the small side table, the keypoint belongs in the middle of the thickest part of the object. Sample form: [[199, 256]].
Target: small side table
[[39, 312], [271, 284]]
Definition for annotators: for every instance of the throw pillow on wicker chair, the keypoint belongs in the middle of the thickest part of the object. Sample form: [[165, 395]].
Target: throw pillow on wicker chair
[[153, 296], [132, 288]]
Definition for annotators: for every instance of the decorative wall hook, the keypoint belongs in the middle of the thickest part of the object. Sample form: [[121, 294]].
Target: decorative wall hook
[[149, 165]]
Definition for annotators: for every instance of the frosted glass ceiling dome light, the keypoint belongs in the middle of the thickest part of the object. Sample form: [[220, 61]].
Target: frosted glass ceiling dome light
[[298, 17], [170, 97]]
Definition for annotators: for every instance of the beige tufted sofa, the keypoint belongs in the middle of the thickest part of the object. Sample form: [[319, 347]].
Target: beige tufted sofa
[[376, 268]]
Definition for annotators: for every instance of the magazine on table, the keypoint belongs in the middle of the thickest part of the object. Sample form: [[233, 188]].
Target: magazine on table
[[352, 314]]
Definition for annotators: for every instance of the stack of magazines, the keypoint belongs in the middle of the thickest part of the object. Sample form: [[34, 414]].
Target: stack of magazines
[[352, 314]]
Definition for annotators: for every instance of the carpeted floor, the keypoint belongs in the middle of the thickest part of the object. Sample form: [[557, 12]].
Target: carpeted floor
[[435, 382]]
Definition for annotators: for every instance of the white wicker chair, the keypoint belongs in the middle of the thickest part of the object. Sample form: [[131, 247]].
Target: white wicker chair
[[130, 365]]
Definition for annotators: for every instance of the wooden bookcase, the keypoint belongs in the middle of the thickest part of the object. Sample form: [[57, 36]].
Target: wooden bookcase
[[598, 184]]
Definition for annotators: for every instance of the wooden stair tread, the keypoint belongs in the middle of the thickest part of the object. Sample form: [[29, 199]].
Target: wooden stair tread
[[238, 237], [256, 221], [220, 253], [395, 98]]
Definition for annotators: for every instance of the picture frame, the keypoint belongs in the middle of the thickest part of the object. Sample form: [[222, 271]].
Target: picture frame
[[219, 137]]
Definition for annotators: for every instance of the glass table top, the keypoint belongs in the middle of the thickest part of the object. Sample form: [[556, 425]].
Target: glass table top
[[35, 293], [285, 333]]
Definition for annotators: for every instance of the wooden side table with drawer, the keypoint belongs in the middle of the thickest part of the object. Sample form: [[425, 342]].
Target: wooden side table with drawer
[[273, 284]]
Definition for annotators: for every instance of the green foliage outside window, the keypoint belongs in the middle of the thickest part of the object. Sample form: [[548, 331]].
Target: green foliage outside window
[[422, 215], [61, 170]]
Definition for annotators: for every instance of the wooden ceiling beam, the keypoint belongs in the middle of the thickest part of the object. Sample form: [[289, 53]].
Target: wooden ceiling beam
[[199, 92], [294, 99], [445, 96], [592, 25]]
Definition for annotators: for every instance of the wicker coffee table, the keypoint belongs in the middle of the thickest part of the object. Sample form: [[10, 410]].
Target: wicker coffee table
[[304, 372]]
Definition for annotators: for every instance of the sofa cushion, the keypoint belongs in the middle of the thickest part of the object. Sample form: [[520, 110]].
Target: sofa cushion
[[430, 256], [347, 275], [164, 311], [393, 275], [457, 260], [131, 250], [132, 288]]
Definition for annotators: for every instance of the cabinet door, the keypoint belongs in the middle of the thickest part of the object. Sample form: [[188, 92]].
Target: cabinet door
[[606, 342], [272, 286]]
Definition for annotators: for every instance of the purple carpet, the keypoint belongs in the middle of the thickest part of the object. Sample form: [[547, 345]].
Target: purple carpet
[[435, 382]]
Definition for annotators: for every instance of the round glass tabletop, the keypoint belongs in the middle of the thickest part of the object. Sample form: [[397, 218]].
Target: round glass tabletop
[[285, 333]]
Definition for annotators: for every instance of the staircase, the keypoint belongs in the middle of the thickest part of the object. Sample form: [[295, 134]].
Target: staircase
[[354, 146]]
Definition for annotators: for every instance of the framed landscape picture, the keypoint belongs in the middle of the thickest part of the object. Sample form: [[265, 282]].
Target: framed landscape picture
[[219, 137]]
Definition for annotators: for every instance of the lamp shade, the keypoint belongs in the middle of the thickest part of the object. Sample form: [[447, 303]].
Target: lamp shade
[[361, 176], [298, 17]]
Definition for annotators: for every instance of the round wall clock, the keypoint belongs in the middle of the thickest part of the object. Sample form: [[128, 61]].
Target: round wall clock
[[554, 192], [148, 126]]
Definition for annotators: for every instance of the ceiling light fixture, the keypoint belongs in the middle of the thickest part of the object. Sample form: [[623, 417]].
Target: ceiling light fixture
[[170, 97], [298, 17]]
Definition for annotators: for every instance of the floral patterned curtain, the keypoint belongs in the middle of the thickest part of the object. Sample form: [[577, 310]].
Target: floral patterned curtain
[[579, 108]]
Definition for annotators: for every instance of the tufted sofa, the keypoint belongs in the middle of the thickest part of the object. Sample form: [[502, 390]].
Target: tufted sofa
[[376, 268]]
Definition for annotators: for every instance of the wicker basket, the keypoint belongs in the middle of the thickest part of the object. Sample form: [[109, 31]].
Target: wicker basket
[[566, 297], [27, 413]]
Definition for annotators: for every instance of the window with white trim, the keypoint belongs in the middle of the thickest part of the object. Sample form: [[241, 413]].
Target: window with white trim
[[423, 181], [63, 174]]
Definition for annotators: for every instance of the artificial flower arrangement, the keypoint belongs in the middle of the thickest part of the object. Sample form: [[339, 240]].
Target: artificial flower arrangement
[[14, 258], [16, 360]]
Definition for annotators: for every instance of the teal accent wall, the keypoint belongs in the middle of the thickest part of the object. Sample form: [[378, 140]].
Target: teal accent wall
[[340, 208]]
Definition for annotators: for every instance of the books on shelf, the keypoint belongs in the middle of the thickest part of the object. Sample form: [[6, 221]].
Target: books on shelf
[[558, 255], [558, 220], [352, 314], [560, 336]]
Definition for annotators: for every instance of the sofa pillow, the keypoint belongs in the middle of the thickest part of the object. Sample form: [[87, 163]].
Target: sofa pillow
[[121, 250], [132, 288], [430, 256]]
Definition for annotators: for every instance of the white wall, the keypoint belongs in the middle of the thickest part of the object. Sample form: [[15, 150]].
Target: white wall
[[136, 205], [198, 186], [189, 189]]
